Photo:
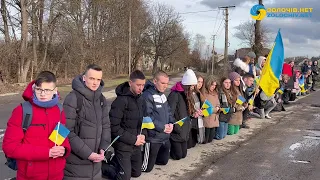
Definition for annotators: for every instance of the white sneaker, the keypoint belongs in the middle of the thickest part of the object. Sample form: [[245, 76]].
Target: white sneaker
[[268, 117]]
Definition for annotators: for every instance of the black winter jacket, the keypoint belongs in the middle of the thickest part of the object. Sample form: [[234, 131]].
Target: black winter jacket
[[178, 103], [126, 115]]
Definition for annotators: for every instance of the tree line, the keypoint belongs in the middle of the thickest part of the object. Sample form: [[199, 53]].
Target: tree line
[[64, 35]]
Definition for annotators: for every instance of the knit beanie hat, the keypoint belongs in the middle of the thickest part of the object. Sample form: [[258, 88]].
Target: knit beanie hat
[[233, 76], [189, 78]]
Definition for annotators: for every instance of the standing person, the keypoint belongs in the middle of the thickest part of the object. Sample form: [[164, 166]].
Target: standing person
[[126, 116], [315, 72], [210, 92], [27, 137], [260, 64], [237, 117], [157, 147], [89, 125], [226, 102], [182, 103], [246, 65]]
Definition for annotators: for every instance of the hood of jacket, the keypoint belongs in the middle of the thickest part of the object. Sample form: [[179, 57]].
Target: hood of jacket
[[79, 85], [178, 87], [124, 89], [242, 65]]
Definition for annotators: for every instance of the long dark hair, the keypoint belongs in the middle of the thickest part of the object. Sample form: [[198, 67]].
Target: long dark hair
[[235, 91], [227, 92], [190, 101]]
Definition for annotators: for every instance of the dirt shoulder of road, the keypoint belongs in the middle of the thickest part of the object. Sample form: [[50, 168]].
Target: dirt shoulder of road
[[202, 156]]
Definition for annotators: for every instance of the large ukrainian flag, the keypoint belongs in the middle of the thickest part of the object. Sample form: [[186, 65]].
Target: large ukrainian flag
[[271, 72]]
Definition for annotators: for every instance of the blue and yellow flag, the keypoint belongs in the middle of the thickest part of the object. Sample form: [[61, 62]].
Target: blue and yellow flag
[[206, 104], [225, 110], [280, 91], [240, 100], [181, 121], [271, 72], [59, 134], [147, 123], [207, 112], [251, 100]]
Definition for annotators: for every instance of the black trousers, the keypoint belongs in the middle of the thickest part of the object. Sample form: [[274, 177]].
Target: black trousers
[[155, 153], [178, 150], [124, 165], [210, 133], [193, 138]]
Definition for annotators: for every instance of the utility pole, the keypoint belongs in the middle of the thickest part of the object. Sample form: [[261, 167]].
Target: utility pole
[[226, 39], [130, 42], [212, 63], [257, 48]]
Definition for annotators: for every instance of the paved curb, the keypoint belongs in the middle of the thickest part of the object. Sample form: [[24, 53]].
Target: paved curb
[[8, 94]]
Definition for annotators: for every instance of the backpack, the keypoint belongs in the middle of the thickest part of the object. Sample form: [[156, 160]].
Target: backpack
[[26, 121], [79, 107]]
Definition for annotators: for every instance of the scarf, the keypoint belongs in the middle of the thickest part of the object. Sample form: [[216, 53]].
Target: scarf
[[48, 104]]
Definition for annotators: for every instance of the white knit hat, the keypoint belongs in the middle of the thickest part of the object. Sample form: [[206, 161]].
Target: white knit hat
[[189, 78]]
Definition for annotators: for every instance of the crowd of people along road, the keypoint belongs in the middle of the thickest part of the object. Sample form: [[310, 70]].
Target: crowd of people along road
[[85, 153]]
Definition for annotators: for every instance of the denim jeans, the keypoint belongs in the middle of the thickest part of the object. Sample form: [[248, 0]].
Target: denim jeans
[[222, 130]]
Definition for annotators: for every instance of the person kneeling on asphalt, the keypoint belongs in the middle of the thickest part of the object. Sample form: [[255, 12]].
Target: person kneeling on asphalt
[[182, 101], [157, 147], [126, 116]]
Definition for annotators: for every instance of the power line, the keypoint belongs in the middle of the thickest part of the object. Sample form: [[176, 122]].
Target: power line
[[216, 19], [194, 12], [219, 27]]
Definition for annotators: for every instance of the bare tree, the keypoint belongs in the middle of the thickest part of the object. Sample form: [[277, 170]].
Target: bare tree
[[166, 32], [246, 33], [4, 14], [199, 44]]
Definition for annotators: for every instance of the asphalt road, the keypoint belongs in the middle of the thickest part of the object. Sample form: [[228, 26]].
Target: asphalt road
[[8, 103], [286, 151]]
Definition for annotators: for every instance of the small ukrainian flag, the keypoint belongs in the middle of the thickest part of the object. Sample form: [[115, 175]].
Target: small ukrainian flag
[[240, 100], [147, 123], [251, 100], [280, 91], [181, 121], [206, 104], [59, 134], [207, 112], [225, 110]]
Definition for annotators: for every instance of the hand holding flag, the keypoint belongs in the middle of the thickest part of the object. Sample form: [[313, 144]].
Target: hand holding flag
[[181, 121], [240, 100], [225, 110], [59, 134]]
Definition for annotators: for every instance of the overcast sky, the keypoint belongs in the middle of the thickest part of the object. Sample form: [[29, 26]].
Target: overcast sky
[[301, 36]]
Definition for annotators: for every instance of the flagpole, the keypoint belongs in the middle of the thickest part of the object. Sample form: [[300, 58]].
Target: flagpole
[[263, 69], [55, 142]]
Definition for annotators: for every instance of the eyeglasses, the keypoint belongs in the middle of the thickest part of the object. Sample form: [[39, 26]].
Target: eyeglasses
[[46, 91]]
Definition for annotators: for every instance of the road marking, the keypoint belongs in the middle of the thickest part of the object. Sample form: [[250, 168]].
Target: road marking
[[1, 136], [295, 146], [2, 130], [312, 137], [304, 162]]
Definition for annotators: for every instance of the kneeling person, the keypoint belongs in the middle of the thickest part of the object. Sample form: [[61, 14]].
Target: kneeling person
[[126, 116]]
